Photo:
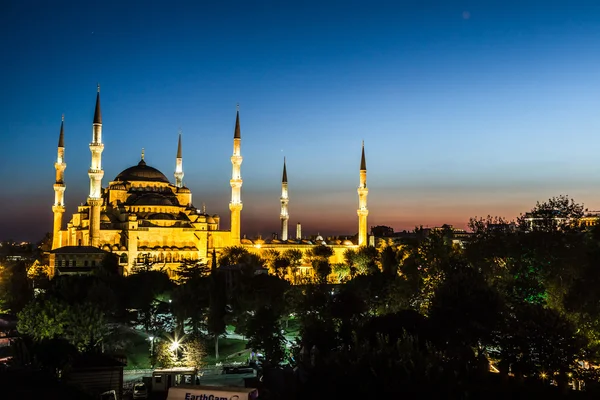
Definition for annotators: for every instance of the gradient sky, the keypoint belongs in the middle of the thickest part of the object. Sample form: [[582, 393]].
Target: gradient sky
[[467, 108]]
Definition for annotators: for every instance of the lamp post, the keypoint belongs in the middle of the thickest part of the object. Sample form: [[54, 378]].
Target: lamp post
[[151, 339]]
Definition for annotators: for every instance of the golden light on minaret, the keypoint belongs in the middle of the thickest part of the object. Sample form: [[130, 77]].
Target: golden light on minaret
[[58, 208], [284, 216], [96, 173], [363, 192], [235, 206], [179, 164]]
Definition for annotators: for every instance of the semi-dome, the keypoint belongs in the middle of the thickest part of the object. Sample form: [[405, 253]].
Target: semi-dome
[[142, 172], [153, 199]]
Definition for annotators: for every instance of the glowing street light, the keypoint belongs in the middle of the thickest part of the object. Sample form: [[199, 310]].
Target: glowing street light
[[174, 347]]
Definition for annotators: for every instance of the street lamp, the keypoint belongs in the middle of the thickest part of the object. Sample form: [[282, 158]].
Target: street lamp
[[174, 347], [151, 339]]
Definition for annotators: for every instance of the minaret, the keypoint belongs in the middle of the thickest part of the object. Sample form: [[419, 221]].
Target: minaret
[[362, 201], [59, 188], [96, 173], [179, 165], [284, 216], [236, 182]]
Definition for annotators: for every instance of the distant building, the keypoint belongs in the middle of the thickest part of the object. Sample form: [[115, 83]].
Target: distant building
[[589, 218], [381, 231], [76, 260], [457, 235]]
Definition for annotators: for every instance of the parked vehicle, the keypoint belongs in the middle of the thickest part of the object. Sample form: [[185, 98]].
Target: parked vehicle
[[140, 391], [110, 395]]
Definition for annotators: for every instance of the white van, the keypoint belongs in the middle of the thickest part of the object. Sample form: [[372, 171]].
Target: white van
[[211, 393]]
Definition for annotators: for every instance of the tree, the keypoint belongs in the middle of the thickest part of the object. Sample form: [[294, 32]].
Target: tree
[[270, 257], [86, 326], [15, 288], [109, 265], [191, 296], [467, 309], [145, 293], [264, 333], [535, 339], [217, 310], [164, 357], [233, 255], [319, 258], [388, 258], [82, 325], [194, 352], [426, 261], [294, 258], [558, 213], [365, 260], [44, 319], [39, 275]]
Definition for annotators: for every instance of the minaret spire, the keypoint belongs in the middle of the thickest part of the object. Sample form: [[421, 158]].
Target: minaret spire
[[363, 163], [362, 211], [61, 136], [96, 173], [98, 112], [58, 208], [236, 132], [179, 164], [284, 215], [235, 206]]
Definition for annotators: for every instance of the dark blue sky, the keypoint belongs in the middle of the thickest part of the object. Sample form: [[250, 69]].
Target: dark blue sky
[[466, 107]]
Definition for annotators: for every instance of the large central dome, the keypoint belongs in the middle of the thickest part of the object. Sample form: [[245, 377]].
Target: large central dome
[[142, 172]]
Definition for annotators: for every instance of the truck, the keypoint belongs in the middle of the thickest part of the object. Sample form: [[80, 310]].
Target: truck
[[194, 392]]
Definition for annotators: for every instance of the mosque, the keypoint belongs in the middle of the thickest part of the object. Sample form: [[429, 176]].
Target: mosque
[[142, 215]]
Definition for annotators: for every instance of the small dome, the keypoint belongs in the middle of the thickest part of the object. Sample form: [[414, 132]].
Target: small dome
[[183, 189], [142, 172], [347, 243], [117, 186], [104, 218], [319, 238], [246, 241], [211, 220]]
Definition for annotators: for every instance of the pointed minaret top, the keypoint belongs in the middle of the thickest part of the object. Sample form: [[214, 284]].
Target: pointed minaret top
[[179, 145], [363, 163], [61, 137], [98, 113], [284, 179], [236, 133], [143, 154]]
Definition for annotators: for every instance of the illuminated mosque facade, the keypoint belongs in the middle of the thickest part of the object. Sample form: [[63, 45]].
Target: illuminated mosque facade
[[141, 214]]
